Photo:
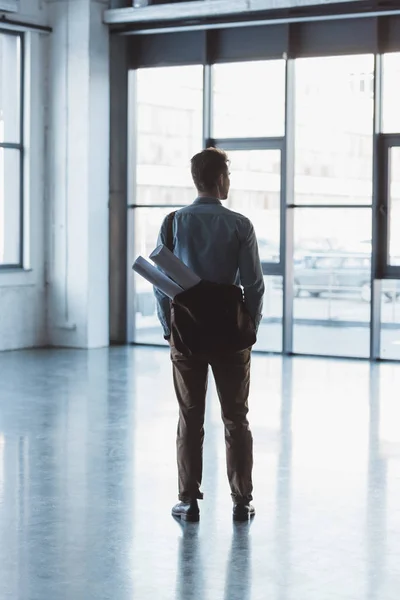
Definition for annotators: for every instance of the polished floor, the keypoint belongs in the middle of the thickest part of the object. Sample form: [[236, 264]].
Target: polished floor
[[87, 480]]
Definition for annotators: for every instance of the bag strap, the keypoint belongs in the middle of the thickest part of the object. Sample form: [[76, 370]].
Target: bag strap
[[170, 231]]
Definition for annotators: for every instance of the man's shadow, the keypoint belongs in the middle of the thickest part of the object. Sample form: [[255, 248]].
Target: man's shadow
[[191, 575]]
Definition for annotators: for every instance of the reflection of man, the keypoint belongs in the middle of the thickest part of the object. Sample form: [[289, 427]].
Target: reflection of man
[[219, 246]]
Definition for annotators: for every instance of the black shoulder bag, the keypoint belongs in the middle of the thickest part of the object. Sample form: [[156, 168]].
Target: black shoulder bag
[[209, 318]]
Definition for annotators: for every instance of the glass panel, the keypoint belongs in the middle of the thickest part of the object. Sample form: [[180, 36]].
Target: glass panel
[[332, 287], [390, 319], [391, 93], [394, 207], [249, 99], [255, 192], [334, 125], [10, 207], [147, 226], [10, 92], [270, 331], [169, 133]]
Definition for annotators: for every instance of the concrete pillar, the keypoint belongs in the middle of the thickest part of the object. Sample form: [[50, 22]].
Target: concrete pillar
[[78, 159], [118, 189]]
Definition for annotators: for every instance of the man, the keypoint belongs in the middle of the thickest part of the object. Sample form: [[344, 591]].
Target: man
[[219, 246]]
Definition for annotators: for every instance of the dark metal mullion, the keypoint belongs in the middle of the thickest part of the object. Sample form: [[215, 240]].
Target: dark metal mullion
[[22, 154], [207, 91], [134, 206], [11, 146], [334, 206], [22, 25], [287, 210], [207, 105], [264, 143], [273, 269], [377, 214], [392, 272], [392, 139]]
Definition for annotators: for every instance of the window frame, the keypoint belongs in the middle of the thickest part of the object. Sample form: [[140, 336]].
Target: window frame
[[18, 146], [388, 141], [377, 263]]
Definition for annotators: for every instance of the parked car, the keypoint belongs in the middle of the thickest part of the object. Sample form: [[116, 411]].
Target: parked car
[[334, 273]]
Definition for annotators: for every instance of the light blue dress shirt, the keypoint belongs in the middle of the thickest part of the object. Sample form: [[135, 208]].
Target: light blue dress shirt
[[219, 245]]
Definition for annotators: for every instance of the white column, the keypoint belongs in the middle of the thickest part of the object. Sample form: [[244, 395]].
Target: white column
[[79, 174]]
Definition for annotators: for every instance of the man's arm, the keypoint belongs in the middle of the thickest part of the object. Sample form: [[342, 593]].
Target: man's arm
[[250, 271], [163, 302]]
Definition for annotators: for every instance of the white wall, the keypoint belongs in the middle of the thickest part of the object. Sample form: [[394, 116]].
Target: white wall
[[62, 296], [22, 294], [32, 11]]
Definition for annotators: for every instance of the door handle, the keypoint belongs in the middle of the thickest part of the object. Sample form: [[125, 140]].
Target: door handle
[[383, 210]]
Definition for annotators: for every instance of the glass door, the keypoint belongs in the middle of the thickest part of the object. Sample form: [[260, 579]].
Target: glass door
[[390, 242], [393, 178], [256, 192]]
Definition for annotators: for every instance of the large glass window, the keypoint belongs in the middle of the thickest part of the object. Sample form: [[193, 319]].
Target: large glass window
[[334, 107], [390, 319], [270, 330], [169, 133], [333, 173], [256, 192], [10, 150], [147, 328], [391, 93], [333, 130], [332, 281], [169, 126], [249, 99]]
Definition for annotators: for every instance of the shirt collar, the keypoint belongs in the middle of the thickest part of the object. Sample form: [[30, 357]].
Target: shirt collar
[[207, 200]]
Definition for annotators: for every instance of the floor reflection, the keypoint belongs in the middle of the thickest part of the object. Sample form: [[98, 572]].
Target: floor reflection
[[376, 495], [190, 572], [88, 478], [238, 573]]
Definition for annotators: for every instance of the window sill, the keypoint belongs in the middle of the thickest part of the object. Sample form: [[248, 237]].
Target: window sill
[[5, 270], [15, 277]]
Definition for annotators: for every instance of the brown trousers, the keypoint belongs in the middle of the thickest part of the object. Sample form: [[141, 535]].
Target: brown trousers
[[232, 378]]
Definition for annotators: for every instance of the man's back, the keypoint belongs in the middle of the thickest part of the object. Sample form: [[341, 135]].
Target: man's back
[[219, 245], [207, 239]]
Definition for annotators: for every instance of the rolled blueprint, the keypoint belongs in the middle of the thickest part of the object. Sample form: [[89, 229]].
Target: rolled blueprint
[[156, 278], [174, 267]]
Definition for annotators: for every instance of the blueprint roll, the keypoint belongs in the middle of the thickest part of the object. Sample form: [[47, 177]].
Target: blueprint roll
[[142, 267], [174, 267]]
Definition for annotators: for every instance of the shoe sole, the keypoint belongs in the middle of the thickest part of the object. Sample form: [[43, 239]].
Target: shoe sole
[[187, 518], [243, 518]]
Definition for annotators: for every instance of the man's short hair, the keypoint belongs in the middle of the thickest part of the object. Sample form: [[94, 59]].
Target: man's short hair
[[207, 168]]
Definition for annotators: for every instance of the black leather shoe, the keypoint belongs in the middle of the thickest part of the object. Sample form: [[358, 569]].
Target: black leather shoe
[[187, 511], [243, 512]]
